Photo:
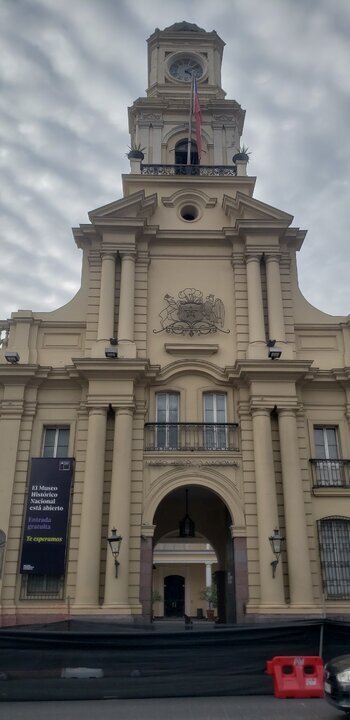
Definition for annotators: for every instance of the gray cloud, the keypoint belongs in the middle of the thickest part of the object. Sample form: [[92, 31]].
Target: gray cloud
[[70, 69]]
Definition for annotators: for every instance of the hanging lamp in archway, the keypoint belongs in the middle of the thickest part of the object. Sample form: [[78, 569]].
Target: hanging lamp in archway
[[186, 525]]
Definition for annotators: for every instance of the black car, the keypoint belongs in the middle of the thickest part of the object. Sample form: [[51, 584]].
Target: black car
[[337, 682]]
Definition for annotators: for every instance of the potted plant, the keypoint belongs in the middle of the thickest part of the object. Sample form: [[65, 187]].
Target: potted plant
[[135, 152], [243, 154], [210, 594], [156, 597]]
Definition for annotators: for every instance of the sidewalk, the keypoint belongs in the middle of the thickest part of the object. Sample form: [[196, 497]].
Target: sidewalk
[[228, 708]]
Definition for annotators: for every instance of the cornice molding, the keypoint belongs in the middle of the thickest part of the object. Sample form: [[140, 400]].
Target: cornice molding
[[22, 374], [107, 369], [277, 371]]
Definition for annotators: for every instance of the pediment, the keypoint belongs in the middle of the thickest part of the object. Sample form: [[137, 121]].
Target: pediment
[[189, 194], [137, 205], [243, 207]]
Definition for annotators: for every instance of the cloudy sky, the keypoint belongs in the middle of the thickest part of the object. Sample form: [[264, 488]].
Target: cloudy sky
[[70, 68]]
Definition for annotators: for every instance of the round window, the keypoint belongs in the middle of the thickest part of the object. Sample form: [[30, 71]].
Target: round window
[[189, 213]]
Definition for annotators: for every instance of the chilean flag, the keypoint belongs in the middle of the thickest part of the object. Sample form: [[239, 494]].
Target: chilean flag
[[197, 117]]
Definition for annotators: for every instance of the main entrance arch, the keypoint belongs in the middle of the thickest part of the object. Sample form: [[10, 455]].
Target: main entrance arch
[[205, 556]]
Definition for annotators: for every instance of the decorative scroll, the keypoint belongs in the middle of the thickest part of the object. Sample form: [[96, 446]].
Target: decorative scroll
[[190, 314]]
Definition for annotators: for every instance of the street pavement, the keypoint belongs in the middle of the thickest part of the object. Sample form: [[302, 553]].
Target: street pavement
[[211, 708]]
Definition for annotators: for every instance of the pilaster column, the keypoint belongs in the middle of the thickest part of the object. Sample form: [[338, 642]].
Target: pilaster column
[[257, 339], [117, 589], [294, 509], [146, 571], [126, 346], [105, 328], [88, 573], [271, 589], [238, 579], [208, 577], [10, 425], [274, 299]]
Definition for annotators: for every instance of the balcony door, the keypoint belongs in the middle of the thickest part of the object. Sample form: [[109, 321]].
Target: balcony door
[[328, 469], [167, 430], [181, 158], [215, 430]]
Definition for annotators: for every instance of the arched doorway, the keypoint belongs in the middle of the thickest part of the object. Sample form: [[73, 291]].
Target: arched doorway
[[203, 558], [181, 149], [174, 596]]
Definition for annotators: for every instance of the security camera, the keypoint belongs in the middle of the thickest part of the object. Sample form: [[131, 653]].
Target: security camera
[[12, 357], [113, 341]]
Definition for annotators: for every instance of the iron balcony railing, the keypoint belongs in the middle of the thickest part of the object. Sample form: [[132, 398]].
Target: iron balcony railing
[[204, 170], [191, 437], [330, 473]]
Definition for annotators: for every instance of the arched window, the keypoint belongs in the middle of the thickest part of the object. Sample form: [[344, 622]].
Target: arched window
[[181, 158], [334, 543]]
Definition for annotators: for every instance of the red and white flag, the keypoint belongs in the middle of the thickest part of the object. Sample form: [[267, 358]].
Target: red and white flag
[[197, 118]]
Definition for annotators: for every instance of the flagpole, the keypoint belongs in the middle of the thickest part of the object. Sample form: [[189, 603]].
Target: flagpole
[[190, 124]]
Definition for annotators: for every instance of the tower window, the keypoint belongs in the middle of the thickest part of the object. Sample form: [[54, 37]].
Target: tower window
[[181, 153]]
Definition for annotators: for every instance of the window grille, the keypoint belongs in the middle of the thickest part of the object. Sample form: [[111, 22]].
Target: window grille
[[334, 544], [42, 587]]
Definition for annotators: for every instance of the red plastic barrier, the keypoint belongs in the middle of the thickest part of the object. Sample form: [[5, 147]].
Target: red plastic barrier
[[296, 677]]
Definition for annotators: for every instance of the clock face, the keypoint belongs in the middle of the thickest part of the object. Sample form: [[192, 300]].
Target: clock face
[[184, 68]]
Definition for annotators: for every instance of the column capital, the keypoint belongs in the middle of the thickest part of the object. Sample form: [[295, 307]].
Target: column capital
[[260, 410], [243, 408], [147, 531], [97, 409], [272, 257], [108, 255], [30, 409], [128, 254], [237, 258], [11, 409], [127, 410], [237, 531], [287, 412], [253, 256]]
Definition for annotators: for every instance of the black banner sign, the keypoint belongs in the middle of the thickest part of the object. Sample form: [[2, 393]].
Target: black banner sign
[[46, 520]]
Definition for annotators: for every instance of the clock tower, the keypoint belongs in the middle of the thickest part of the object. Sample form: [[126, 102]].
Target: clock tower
[[201, 403], [161, 120]]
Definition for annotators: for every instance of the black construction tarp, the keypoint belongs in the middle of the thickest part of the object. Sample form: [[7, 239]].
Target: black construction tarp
[[135, 663]]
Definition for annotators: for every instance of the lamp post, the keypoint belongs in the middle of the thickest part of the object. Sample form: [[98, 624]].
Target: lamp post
[[276, 542], [114, 541]]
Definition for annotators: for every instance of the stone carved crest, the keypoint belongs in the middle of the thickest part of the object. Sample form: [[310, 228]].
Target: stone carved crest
[[191, 314]]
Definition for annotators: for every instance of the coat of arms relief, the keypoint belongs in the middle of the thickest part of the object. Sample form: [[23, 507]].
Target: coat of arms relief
[[192, 314]]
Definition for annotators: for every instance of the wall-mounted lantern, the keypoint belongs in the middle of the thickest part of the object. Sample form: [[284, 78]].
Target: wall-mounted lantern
[[114, 541], [276, 542]]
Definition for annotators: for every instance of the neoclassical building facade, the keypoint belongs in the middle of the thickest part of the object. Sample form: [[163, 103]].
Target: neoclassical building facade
[[188, 396]]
